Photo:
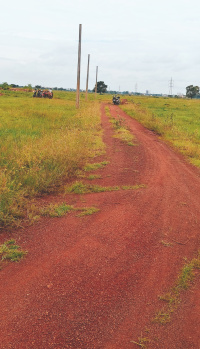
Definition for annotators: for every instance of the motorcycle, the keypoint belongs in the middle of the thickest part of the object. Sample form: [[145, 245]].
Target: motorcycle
[[116, 100], [43, 94]]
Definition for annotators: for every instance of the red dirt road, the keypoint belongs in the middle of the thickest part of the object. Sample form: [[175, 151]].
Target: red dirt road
[[93, 282]]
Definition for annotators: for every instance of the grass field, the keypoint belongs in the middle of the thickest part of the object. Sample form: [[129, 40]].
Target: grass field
[[176, 120], [43, 143]]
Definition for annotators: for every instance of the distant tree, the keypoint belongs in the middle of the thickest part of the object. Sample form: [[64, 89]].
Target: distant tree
[[38, 86], [192, 91], [14, 85], [101, 87], [5, 86]]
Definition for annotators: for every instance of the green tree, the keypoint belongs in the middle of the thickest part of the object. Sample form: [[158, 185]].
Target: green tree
[[192, 91], [101, 87], [5, 86], [28, 87]]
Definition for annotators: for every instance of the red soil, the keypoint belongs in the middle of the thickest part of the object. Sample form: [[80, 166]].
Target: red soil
[[93, 282]]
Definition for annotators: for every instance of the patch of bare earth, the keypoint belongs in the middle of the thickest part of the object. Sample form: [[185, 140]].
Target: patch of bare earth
[[93, 282]]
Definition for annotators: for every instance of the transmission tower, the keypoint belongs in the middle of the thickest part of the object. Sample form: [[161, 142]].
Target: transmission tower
[[171, 85], [136, 86]]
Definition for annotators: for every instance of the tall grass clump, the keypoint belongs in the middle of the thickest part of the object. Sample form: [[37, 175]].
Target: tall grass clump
[[121, 130], [176, 120], [43, 143]]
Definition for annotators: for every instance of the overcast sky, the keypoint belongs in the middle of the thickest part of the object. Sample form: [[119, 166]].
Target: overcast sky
[[136, 44]]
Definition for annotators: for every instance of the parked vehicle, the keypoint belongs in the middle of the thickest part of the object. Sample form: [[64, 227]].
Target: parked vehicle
[[43, 94]]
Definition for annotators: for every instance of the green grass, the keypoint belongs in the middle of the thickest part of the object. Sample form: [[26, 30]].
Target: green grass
[[56, 210], [176, 120], [9, 251], [172, 298], [95, 166], [87, 211], [43, 143], [92, 177], [121, 130], [81, 188], [133, 187], [60, 210]]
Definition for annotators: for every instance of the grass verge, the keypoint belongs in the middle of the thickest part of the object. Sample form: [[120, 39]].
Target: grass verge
[[43, 143], [176, 120]]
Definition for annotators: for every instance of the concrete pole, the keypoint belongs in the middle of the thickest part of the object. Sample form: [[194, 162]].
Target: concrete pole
[[96, 82], [78, 68], [86, 94]]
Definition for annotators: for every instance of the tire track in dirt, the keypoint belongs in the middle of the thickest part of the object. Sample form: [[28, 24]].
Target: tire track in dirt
[[93, 282]]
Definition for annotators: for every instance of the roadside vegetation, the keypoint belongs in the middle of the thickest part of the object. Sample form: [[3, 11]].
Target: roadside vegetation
[[176, 120], [9, 251], [172, 298], [60, 210], [120, 128], [81, 188], [43, 143]]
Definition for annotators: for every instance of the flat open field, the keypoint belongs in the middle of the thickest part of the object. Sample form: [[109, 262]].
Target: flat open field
[[112, 255]]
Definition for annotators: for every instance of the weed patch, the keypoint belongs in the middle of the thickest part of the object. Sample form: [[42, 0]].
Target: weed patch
[[121, 130], [56, 210], [133, 187], [172, 298], [91, 177], [87, 211], [81, 188], [9, 251], [95, 166], [142, 342]]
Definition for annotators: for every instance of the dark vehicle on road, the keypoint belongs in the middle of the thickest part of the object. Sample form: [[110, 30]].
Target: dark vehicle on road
[[116, 100]]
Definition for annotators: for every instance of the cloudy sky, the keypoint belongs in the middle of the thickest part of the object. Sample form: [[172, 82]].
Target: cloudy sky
[[136, 44]]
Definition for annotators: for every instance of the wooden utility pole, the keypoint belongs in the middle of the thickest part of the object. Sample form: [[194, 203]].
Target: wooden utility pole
[[87, 77], [96, 82], [79, 68]]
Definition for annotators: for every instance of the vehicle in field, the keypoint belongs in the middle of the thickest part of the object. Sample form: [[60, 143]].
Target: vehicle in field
[[116, 100], [43, 94]]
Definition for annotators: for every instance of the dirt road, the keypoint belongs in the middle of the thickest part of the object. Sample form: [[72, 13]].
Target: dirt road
[[93, 282]]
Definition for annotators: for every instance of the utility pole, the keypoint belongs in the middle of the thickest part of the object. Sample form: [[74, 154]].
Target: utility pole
[[96, 82], [87, 77], [171, 84], [79, 68]]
